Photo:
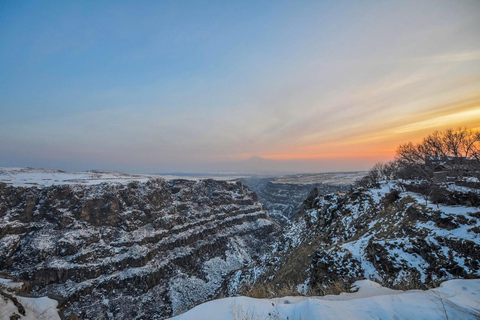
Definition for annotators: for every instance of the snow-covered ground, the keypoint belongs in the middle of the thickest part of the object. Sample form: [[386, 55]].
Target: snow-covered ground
[[454, 299], [31, 177], [368, 234], [10, 284], [399, 247], [42, 308], [28, 177], [35, 309]]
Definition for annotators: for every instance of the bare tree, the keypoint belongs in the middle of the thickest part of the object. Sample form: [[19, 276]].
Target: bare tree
[[457, 150]]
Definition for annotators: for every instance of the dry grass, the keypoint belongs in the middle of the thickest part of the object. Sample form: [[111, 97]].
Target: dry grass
[[335, 288], [410, 281], [269, 290]]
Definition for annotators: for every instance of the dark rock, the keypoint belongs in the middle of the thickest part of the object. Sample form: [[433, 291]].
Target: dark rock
[[103, 247]]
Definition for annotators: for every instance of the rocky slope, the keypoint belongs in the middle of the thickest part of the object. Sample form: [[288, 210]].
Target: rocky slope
[[283, 198], [384, 234], [130, 250]]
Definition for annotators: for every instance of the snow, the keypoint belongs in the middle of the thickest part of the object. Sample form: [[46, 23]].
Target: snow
[[458, 233], [10, 284], [35, 308], [386, 187], [39, 308], [357, 248], [378, 193], [29, 177], [459, 299], [456, 210], [361, 228]]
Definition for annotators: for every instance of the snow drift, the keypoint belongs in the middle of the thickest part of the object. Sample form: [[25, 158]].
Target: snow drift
[[454, 299]]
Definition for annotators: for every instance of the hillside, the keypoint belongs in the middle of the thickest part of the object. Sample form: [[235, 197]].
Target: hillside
[[385, 234]]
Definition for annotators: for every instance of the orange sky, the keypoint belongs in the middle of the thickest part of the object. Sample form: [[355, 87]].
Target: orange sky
[[378, 141]]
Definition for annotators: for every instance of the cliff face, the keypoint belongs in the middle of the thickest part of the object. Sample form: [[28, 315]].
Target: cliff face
[[133, 250], [395, 238], [385, 234]]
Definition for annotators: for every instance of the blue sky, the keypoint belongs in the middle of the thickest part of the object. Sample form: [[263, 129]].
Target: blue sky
[[188, 85]]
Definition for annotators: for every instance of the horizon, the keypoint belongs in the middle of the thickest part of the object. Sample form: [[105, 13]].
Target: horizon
[[230, 169], [198, 87]]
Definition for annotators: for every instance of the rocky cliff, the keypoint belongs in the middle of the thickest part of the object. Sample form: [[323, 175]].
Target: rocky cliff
[[136, 250], [385, 234]]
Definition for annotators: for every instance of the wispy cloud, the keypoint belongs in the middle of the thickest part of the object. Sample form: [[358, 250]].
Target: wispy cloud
[[318, 81], [448, 58]]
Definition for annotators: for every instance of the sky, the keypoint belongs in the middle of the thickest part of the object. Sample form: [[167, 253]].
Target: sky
[[194, 86]]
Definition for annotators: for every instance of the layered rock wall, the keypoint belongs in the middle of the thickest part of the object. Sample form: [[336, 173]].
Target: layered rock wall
[[101, 248]]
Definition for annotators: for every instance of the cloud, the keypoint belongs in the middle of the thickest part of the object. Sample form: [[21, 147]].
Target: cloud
[[448, 58]]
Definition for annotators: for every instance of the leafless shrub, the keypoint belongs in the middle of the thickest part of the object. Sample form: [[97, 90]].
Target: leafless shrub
[[335, 287], [269, 290]]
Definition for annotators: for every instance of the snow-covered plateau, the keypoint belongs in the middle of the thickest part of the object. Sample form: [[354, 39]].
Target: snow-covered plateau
[[31, 177]]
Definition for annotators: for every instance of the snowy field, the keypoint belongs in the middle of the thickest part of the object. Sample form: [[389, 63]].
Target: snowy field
[[28, 177], [454, 299], [31, 177]]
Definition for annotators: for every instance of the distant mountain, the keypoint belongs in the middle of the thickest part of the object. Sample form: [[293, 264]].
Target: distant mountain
[[260, 165], [257, 159], [253, 165]]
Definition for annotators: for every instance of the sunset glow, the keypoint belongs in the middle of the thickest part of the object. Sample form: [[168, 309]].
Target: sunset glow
[[157, 86]]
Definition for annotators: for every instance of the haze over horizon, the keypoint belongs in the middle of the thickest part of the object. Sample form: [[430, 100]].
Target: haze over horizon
[[171, 86]]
